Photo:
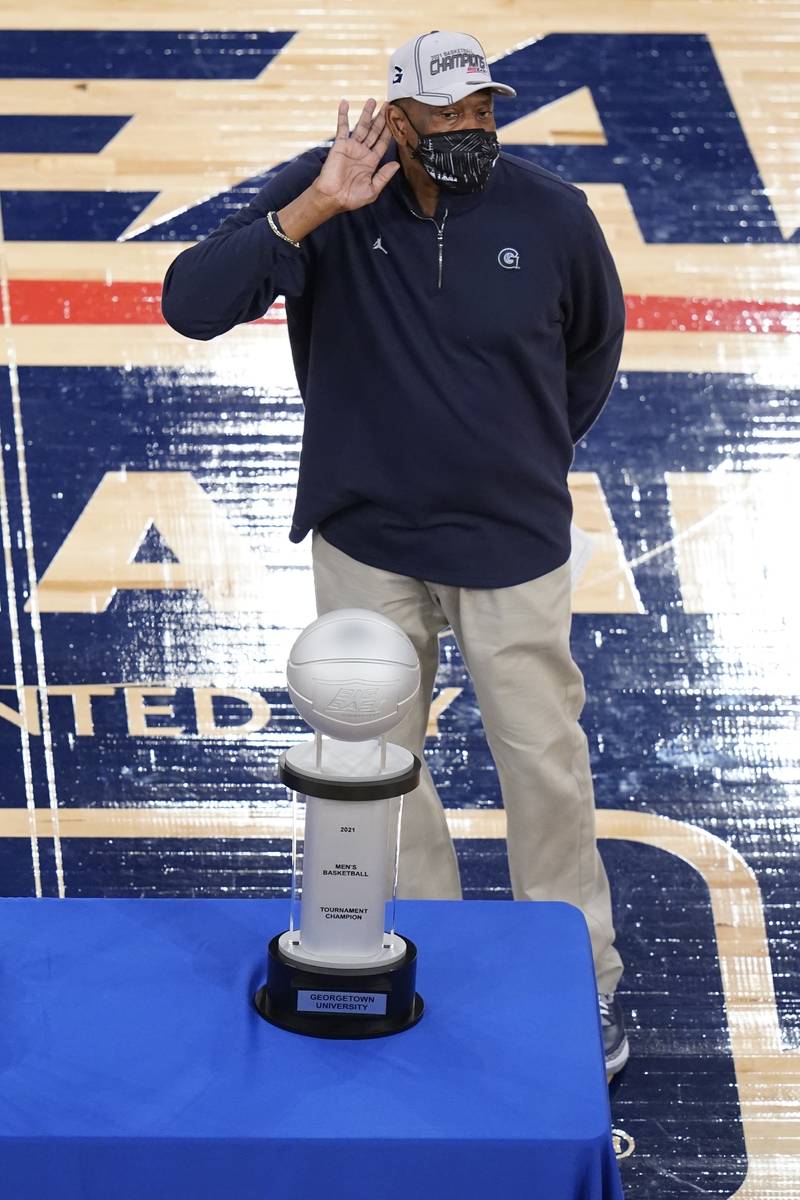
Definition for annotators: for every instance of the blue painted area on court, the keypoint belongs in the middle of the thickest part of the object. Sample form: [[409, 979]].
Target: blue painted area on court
[[673, 136], [57, 134], [138, 53], [678, 720], [673, 725], [678, 1095]]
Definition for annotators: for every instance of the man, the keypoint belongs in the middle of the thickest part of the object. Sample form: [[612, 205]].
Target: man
[[456, 322]]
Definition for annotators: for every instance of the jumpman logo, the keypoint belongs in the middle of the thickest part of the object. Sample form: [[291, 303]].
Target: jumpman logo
[[378, 245]]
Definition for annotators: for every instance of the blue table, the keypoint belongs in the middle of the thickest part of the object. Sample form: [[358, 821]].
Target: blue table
[[133, 1065]]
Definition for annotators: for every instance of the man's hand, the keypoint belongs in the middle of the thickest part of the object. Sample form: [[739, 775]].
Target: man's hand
[[350, 177]]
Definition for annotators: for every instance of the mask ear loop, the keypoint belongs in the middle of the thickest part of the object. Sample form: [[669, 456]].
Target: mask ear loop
[[412, 152]]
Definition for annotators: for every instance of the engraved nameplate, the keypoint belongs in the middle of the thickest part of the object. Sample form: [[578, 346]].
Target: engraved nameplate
[[352, 1004]]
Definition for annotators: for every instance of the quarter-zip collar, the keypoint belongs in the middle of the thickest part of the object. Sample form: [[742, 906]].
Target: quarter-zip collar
[[449, 205]]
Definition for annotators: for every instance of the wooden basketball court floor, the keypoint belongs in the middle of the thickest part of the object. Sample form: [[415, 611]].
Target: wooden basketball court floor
[[151, 591]]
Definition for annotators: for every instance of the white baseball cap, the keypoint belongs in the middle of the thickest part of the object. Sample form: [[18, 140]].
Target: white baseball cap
[[441, 68]]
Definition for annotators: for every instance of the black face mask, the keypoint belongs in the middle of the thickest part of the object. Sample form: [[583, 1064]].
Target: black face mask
[[460, 161]]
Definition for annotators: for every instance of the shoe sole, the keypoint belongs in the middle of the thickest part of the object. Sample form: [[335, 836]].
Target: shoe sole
[[618, 1059]]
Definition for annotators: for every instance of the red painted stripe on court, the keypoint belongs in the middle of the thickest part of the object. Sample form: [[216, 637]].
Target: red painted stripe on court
[[92, 302]]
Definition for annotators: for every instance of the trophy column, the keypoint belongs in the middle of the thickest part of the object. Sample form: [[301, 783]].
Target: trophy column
[[341, 969]]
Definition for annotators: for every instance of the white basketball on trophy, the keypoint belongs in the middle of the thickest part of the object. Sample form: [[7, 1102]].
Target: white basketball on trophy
[[353, 674]]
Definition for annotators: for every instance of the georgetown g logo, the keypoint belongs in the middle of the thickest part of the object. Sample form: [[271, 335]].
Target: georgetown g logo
[[509, 258]]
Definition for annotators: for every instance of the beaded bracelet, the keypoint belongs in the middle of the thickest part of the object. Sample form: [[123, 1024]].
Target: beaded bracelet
[[272, 218]]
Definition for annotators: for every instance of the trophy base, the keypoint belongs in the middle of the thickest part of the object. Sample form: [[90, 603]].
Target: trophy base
[[332, 1002]]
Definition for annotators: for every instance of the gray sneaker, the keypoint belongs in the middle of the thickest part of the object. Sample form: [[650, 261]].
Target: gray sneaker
[[615, 1041]]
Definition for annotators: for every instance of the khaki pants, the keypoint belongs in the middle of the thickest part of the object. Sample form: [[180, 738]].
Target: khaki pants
[[515, 644]]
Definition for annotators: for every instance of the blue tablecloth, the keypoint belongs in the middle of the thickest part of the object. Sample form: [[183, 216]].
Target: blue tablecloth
[[133, 1065]]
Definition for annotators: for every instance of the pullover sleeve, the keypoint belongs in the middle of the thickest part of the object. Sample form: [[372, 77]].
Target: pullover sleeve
[[235, 273], [593, 328]]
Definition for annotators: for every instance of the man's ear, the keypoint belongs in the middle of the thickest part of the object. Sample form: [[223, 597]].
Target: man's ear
[[399, 125]]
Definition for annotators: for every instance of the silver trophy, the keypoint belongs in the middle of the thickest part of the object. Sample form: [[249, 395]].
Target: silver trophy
[[341, 970]]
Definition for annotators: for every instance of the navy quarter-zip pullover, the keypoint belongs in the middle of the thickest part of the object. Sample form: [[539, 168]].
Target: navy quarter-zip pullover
[[447, 364]]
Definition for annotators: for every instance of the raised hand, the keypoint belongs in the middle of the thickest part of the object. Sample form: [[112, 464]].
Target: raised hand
[[351, 175]]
